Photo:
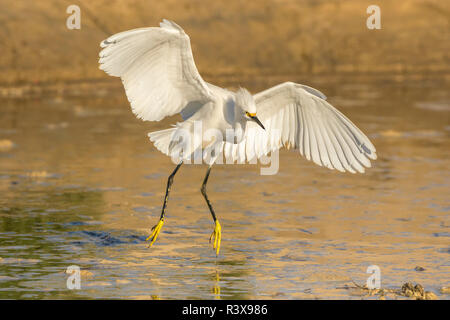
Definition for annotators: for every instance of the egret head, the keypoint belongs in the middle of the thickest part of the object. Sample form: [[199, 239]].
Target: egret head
[[246, 104]]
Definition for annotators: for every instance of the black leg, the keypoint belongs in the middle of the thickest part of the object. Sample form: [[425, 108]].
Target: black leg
[[217, 233], [203, 190], [157, 228], [169, 185]]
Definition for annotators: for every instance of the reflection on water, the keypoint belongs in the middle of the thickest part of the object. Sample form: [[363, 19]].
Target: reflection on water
[[81, 185]]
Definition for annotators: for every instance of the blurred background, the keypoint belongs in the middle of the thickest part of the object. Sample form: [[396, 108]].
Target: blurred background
[[287, 37], [81, 184]]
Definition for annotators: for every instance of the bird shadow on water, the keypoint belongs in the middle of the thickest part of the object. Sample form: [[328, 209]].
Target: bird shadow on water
[[106, 238]]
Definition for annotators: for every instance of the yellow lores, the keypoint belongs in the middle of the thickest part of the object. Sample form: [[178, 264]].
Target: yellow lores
[[216, 236], [250, 114]]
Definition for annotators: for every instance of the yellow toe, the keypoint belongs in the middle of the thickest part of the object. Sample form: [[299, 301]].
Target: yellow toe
[[216, 236], [155, 232]]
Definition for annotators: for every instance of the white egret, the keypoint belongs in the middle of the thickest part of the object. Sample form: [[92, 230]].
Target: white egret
[[160, 79]]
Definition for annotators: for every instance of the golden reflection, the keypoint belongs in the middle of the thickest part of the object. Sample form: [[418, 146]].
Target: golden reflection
[[216, 286], [95, 187]]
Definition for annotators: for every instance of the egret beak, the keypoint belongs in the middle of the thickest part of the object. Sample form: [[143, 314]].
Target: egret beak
[[254, 118]]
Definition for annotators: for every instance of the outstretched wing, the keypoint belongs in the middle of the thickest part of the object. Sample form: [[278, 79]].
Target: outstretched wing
[[298, 116], [157, 70]]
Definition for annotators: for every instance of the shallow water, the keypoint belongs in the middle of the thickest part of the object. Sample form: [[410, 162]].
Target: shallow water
[[81, 185]]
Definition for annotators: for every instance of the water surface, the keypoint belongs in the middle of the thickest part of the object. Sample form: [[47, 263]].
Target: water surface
[[80, 184]]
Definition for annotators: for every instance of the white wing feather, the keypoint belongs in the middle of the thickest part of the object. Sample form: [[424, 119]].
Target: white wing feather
[[298, 116], [157, 70]]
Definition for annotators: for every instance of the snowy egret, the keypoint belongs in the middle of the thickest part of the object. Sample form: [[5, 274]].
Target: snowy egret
[[160, 79]]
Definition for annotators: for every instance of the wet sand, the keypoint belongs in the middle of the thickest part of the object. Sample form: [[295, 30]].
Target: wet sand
[[82, 185]]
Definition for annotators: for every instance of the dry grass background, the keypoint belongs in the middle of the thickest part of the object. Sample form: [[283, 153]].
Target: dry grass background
[[230, 37]]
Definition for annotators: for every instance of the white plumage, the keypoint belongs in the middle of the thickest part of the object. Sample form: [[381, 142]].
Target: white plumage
[[157, 70], [160, 79]]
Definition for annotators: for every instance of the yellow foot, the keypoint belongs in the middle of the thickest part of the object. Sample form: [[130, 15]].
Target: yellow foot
[[216, 236], [155, 232]]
